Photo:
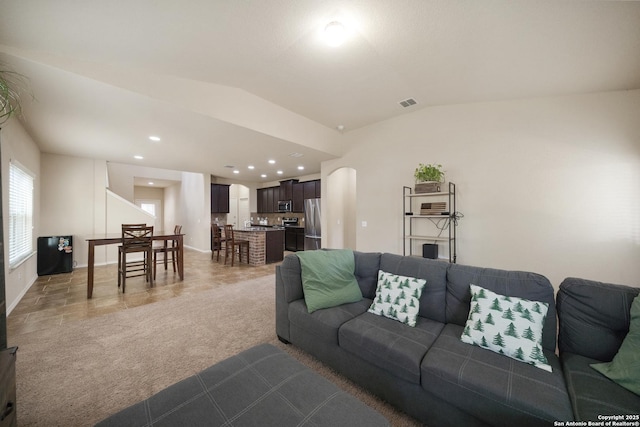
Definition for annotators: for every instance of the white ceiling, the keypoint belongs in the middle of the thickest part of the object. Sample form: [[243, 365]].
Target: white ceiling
[[233, 83]]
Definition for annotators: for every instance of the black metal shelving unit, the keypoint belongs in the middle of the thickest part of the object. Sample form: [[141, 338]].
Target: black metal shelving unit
[[439, 222]]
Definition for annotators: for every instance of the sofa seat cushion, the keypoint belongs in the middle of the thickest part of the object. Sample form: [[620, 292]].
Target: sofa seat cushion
[[592, 393], [324, 323], [389, 344], [492, 387]]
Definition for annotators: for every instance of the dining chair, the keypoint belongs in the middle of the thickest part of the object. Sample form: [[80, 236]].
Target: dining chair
[[167, 248], [136, 238], [217, 241], [231, 245]]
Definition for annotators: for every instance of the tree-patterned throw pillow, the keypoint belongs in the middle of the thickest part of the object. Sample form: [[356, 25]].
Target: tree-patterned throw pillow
[[507, 325], [398, 297]]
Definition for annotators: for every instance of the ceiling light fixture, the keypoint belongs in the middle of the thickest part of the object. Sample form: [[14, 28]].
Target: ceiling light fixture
[[150, 182], [251, 167], [137, 157], [272, 161], [236, 171], [279, 172], [154, 138], [300, 168], [335, 33], [263, 176]]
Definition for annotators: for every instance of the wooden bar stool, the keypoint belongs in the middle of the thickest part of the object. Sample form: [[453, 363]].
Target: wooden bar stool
[[231, 244], [167, 248], [218, 242], [136, 238]]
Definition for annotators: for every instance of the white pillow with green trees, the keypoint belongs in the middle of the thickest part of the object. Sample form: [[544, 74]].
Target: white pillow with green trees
[[398, 297], [510, 326]]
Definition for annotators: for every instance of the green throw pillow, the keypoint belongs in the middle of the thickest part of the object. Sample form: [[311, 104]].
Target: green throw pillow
[[624, 369], [328, 278], [507, 325], [398, 297]]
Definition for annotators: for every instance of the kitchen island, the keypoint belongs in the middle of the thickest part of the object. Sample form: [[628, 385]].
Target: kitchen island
[[266, 244]]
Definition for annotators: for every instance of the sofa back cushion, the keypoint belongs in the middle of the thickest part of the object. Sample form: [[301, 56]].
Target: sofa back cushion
[[530, 286], [594, 317], [367, 266], [432, 300]]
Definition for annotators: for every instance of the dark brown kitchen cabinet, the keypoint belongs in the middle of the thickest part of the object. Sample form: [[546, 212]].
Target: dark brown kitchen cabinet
[[219, 198], [276, 198], [267, 199], [312, 189], [309, 190], [274, 245], [286, 189], [294, 238], [297, 197], [269, 205]]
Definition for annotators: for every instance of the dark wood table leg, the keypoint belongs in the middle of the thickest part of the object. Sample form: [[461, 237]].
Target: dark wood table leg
[[90, 261], [180, 257]]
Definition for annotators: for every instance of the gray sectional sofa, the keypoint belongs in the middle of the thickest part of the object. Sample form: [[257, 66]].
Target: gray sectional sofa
[[426, 370], [594, 320]]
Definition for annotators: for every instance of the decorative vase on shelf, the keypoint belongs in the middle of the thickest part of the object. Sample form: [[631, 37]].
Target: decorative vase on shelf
[[429, 178]]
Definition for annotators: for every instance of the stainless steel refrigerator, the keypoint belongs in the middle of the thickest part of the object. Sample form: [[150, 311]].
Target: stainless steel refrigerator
[[312, 229]]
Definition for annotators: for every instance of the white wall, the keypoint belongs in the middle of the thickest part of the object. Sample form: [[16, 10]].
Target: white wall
[[73, 201], [121, 177], [195, 203], [18, 145], [546, 185]]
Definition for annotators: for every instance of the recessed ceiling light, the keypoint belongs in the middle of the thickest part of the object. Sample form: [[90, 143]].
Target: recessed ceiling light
[[138, 157], [300, 168], [251, 167], [236, 171], [280, 172], [154, 138], [272, 161], [150, 182], [335, 33], [263, 175]]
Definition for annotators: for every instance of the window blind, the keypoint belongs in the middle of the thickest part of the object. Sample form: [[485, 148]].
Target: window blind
[[20, 214]]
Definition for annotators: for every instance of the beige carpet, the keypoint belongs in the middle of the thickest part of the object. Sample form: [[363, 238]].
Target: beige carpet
[[87, 370]]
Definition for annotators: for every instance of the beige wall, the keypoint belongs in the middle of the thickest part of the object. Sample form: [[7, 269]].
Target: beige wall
[[18, 145], [546, 185]]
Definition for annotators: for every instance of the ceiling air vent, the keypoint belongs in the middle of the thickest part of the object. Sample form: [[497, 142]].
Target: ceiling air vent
[[408, 102]]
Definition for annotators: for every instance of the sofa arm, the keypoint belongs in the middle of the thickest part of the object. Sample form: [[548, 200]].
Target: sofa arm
[[288, 289], [594, 317]]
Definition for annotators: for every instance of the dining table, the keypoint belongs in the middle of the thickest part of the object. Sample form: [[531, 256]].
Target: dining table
[[116, 238]]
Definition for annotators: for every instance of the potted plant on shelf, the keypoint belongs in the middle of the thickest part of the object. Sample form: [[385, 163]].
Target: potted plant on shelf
[[428, 178]]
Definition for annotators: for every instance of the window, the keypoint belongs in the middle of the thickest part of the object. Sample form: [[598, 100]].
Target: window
[[149, 207], [20, 214]]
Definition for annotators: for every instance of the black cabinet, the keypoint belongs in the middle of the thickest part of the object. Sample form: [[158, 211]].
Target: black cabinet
[[274, 243], [297, 197], [286, 189], [219, 198], [294, 239], [268, 198], [309, 190]]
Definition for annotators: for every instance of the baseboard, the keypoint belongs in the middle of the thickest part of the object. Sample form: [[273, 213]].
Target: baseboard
[[21, 295]]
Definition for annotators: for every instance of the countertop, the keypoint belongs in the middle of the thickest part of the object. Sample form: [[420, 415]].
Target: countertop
[[259, 228]]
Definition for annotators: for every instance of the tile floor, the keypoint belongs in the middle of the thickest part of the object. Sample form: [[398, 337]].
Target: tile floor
[[53, 300]]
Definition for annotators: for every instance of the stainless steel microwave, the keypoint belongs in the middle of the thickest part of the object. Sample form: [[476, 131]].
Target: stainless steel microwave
[[284, 206]]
